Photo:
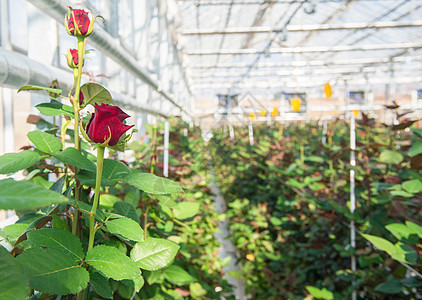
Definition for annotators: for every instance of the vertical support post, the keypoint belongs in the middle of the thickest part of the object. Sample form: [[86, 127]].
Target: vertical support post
[[166, 149], [324, 133], [8, 128], [352, 193], [231, 130], [250, 128]]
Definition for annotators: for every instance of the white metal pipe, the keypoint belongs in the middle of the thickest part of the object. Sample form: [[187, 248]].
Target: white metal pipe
[[338, 48], [352, 193], [301, 28], [107, 44], [166, 149], [17, 70]]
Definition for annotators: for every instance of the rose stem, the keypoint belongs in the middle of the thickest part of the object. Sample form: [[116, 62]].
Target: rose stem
[[77, 76], [100, 160]]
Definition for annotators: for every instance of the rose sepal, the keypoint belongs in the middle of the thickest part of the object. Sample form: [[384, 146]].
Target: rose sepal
[[84, 134], [121, 145]]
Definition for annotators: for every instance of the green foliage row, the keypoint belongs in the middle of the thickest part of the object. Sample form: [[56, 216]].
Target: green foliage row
[[288, 203]]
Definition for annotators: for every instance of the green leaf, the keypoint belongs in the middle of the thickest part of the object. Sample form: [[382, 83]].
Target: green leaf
[[390, 157], [38, 223], [112, 170], [126, 209], [405, 253], [133, 197], [416, 148], [95, 93], [13, 283], [100, 285], [401, 194], [152, 184], [58, 185], [13, 232], [390, 287], [108, 200], [386, 246], [45, 142], [26, 195], [55, 108], [126, 228], [112, 263], [39, 88], [178, 276], [276, 221], [53, 271], [153, 253], [197, 291], [13, 162], [415, 228], [57, 238], [412, 186], [73, 157], [400, 231], [313, 158], [165, 200], [320, 293], [185, 210]]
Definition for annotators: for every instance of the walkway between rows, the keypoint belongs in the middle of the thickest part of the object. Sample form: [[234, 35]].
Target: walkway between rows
[[227, 248]]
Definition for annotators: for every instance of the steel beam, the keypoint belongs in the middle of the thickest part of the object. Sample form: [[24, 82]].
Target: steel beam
[[17, 70], [300, 28], [107, 44], [340, 48]]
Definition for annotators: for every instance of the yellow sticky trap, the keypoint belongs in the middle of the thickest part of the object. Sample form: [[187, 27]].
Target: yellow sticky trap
[[335, 112], [327, 90], [252, 116], [274, 113], [356, 113], [250, 257], [263, 113], [295, 104]]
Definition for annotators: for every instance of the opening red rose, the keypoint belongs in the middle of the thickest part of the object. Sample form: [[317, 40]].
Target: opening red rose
[[81, 21], [105, 122]]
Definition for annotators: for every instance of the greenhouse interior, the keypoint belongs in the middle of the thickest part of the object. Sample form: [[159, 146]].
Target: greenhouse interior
[[210, 149]]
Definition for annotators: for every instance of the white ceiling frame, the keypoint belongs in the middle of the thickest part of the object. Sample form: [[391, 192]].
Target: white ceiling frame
[[304, 63], [340, 48], [303, 71], [300, 28], [307, 82], [255, 2]]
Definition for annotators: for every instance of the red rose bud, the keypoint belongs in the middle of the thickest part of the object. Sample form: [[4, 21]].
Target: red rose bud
[[72, 58], [107, 122], [81, 97], [79, 22]]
